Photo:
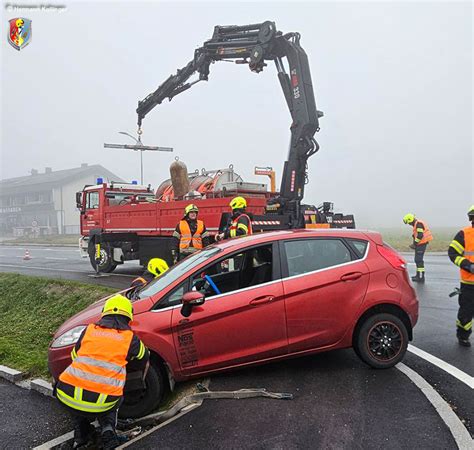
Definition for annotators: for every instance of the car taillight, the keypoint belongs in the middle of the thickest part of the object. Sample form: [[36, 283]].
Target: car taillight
[[391, 256]]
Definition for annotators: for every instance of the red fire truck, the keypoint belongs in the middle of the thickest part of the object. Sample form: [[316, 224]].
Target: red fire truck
[[134, 222]]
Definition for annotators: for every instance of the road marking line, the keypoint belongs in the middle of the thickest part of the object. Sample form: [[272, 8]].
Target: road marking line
[[53, 257], [52, 269], [454, 371], [458, 430]]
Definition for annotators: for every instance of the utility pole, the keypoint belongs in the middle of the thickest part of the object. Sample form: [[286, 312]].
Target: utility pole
[[138, 147]]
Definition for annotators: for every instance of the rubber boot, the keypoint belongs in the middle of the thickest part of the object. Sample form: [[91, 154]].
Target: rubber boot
[[419, 277], [464, 342], [109, 440]]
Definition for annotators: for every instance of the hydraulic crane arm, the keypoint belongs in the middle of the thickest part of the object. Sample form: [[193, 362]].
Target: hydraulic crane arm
[[253, 45]]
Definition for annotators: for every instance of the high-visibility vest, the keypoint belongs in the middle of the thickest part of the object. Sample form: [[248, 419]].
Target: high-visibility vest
[[100, 363], [187, 238], [234, 225], [468, 277], [427, 236]]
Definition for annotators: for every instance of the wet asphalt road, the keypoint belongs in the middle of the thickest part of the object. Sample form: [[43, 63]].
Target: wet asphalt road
[[339, 402]]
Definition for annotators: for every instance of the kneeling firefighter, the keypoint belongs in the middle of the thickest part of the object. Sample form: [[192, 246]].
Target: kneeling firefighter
[[92, 386], [190, 234], [240, 224], [155, 268]]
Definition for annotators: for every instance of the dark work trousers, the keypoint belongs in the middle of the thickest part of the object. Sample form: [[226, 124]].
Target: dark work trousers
[[82, 421], [466, 311], [419, 255]]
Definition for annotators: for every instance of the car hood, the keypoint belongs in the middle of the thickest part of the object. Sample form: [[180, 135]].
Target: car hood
[[92, 313]]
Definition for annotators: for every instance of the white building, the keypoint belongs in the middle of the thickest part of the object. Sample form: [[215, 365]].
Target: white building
[[45, 203]]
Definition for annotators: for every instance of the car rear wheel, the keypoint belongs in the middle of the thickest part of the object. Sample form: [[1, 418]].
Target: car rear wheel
[[139, 403], [381, 341]]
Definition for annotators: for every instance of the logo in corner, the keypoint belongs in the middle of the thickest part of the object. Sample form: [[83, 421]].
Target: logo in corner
[[19, 35]]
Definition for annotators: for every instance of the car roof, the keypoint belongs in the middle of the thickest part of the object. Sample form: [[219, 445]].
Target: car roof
[[256, 238]]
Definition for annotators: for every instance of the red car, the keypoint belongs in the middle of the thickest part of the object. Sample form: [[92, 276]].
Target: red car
[[263, 298]]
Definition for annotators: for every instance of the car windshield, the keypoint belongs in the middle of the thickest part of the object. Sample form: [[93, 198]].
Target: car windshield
[[176, 271]]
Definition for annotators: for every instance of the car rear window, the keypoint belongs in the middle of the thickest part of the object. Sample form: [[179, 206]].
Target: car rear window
[[359, 246]]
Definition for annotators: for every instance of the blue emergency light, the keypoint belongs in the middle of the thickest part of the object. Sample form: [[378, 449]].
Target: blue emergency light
[[100, 180], [134, 182]]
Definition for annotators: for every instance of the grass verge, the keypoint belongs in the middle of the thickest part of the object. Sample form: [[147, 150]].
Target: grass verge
[[31, 309], [400, 239]]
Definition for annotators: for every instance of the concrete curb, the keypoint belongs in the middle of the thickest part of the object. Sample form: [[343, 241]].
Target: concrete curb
[[41, 386], [16, 377], [10, 374]]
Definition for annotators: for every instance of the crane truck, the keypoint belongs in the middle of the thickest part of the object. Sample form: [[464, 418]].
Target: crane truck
[[135, 222]]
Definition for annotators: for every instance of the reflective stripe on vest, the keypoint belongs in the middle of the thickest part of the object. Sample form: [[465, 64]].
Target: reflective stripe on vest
[[101, 360], [186, 237], [468, 277], [76, 402], [235, 225], [427, 236]]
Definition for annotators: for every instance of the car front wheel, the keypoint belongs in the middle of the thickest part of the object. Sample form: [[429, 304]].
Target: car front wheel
[[139, 403], [381, 341]]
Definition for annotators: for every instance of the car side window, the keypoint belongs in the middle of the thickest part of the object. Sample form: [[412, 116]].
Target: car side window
[[238, 271], [308, 255], [173, 298]]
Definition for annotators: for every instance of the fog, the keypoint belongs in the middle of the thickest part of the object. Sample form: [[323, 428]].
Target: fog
[[394, 80]]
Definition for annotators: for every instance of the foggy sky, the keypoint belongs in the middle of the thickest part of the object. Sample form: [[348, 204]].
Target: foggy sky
[[394, 80]]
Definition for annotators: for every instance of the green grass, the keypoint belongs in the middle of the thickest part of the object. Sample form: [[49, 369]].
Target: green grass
[[400, 239], [59, 239], [31, 309]]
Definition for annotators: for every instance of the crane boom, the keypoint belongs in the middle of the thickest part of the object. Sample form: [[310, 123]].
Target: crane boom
[[254, 45]]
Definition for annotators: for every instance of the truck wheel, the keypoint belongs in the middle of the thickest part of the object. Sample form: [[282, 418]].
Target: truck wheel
[[106, 263], [382, 341], [140, 403]]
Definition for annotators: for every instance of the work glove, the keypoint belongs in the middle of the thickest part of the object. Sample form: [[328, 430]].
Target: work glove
[[471, 268], [413, 246], [174, 255]]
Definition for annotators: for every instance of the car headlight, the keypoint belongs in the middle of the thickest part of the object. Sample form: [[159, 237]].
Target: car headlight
[[69, 337]]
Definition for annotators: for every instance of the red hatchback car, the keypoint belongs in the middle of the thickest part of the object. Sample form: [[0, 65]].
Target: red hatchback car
[[263, 298]]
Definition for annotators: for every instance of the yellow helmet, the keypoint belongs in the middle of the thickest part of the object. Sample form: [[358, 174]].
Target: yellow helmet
[[408, 218], [118, 304], [157, 266], [191, 208], [470, 213], [238, 203]]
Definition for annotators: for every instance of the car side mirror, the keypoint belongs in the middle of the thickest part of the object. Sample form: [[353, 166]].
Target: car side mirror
[[190, 300], [79, 201]]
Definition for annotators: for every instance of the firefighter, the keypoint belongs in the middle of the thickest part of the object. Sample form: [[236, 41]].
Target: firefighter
[[190, 234], [421, 237], [241, 224], [461, 253], [155, 268], [92, 386]]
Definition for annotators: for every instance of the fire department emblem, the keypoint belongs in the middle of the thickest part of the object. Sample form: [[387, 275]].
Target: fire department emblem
[[19, 35]]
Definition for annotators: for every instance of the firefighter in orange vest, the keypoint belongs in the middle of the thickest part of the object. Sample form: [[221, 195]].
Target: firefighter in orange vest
[[91, 387], [155, 268], [190, 234], [461, 253], [241, 224], [421, 237]]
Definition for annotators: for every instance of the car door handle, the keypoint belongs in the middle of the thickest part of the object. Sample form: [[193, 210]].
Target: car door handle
[[351, 276], [262, 300]]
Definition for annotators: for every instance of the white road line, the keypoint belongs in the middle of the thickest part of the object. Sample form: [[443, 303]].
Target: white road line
[[458, 430], [62, 270], [454, 371]]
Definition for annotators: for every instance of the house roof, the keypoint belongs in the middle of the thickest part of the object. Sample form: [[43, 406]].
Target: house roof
[[48, 180]]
